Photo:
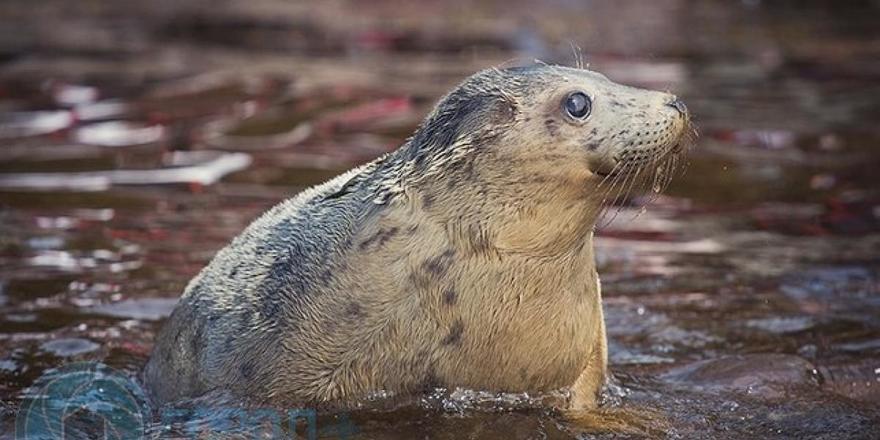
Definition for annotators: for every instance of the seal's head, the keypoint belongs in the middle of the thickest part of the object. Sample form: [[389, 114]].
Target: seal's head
[[610, 127], [542, 137]]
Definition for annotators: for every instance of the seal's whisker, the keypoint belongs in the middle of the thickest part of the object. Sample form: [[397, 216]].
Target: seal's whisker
[[605, 178], [662, 180], [628, 189], [671, 163], [578, 55], [610, 173], [614, 189], [615, 180], [677, 164], [661, 169], [629, 174], [624, 191], [664, 171], [619, 177], [603, 204], [659, 185], [673, 168], [659, 173]]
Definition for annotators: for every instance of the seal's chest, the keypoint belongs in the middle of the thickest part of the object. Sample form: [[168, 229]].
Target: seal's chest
[[531, 333], [529, 351]]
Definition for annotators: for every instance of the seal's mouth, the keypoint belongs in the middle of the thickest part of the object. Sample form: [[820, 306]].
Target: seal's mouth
[[637, 171], [641, 170]]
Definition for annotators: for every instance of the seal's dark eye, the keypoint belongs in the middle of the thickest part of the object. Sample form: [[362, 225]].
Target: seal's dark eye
[[577, 105]]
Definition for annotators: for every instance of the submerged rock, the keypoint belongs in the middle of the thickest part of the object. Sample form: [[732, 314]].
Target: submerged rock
[[69, 347], [147, 309], [766, 374]]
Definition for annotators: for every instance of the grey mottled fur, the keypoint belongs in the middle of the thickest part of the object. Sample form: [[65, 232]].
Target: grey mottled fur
[[464, 258]]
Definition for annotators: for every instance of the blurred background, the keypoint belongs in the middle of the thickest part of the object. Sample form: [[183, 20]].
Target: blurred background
[[137, 138]]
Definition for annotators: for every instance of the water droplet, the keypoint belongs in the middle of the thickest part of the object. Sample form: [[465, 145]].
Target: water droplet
[[659, 176]]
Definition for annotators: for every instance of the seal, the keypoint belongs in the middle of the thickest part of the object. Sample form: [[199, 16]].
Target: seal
[[462, 259]]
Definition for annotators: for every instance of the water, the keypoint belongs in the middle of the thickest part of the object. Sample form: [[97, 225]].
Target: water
[[744, 302]]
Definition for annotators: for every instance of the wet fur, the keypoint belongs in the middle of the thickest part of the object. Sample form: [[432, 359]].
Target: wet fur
[[463, 259]]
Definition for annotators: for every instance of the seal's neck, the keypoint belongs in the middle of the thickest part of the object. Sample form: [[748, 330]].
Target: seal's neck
[[542, 216], [557, 220], [547, 227]]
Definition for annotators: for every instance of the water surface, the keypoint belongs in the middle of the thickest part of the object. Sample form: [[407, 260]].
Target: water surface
[[743, 303]]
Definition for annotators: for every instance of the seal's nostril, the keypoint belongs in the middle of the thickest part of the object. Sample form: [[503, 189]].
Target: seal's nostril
[[678, 105]]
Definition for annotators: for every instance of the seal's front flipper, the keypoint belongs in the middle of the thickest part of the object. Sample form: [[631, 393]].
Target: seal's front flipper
[[585, 390], [628, 422]]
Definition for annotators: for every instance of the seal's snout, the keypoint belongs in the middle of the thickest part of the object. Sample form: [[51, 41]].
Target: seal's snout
[[678, 105]]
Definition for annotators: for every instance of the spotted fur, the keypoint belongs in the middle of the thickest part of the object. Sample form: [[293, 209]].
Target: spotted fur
[[464, 258]]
